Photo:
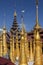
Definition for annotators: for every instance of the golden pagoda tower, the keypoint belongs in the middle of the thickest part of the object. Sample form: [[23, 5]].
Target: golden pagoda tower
[[5, 51], [14, 27], [38, 45], [26, 47], [38, 50], [12, 49], [17, 47], [31, 58], [1, 47], [23, 59]]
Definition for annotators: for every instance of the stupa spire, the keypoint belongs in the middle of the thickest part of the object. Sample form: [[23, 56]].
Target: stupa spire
[[36, 11], [23, 59], [22, 20], [38, 47], [26, 47], [36, 2], [37, 26], [17, 47], [4, 40], [14, 27]]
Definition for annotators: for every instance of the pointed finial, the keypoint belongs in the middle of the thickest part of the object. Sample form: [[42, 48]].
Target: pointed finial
[[36, 2], [22, 19], [37, 26], [36, 11], [15, 14]]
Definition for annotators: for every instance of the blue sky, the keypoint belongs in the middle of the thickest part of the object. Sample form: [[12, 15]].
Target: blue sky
[[7, 7]]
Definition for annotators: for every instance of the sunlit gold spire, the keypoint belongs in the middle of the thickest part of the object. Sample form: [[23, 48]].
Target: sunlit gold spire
[[26, 47], [23, 59], [17, 47], [12, 49], [37, 26], [4, 42], [38, 49], [31, 52]]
